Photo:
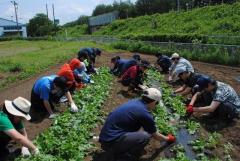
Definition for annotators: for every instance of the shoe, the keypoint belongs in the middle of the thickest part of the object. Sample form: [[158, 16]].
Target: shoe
[[63, 99]]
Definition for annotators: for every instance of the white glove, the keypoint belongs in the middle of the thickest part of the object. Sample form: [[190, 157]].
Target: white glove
[[36, 151], [25, 152], [74, 107], [52, 116], [142, 87]]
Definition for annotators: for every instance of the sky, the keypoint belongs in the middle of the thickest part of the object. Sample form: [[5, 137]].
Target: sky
[[65, 10]]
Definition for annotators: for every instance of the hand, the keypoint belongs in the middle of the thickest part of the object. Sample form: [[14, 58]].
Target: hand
[[171, 138], [36, 151], [52, 116], [74, 107], [189, 109], [25, 152]]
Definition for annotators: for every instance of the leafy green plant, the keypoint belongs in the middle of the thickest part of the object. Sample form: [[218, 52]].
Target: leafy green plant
[[192, 126], [68, 138]]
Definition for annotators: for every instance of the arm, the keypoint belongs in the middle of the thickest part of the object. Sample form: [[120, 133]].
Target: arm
[[186, 91], [69, 97], [194, 98], [181, 89], [23, 140], [48, 106], [159, 137], [207, 109]]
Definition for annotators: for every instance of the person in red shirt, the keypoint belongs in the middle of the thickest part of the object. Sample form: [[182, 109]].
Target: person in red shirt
[[133, 77], [67, 71]]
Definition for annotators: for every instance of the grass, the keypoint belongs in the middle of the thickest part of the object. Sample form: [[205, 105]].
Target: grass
[[174, 26], [73, 31], [18, 64]]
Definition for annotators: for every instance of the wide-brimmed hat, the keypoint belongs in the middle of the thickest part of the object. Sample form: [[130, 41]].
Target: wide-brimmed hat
[[19, 107]]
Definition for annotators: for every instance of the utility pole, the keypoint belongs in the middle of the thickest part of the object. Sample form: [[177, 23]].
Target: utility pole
[[53, 14], [178, 5], [15, 8], [47, 10]]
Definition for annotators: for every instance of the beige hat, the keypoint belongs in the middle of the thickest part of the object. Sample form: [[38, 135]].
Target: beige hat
[[175, 55], [154, 94], [19, 107]]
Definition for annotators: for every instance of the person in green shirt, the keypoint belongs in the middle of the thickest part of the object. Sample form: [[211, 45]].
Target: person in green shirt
[[12, 114]]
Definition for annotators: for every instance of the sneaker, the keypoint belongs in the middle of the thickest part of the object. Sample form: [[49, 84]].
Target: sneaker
[[63, 99]]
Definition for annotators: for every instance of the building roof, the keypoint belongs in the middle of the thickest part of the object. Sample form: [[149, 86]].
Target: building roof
[[5, 22]]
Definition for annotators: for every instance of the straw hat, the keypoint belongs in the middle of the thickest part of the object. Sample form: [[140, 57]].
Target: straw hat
[[19, 107]]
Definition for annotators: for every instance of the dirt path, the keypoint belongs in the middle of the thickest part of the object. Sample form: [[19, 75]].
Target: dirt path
[[222, 73]]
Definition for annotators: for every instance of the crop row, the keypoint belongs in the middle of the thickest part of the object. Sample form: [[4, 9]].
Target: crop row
[[174, 109], [68, 138]]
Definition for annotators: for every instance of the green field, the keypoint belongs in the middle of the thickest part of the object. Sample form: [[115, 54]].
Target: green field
[[23, 59], [213, 20]]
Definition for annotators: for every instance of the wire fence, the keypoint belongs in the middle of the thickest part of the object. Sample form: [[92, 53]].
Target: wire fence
[[233, 50]]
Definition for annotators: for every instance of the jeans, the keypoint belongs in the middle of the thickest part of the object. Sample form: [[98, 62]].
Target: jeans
[[126, 148]]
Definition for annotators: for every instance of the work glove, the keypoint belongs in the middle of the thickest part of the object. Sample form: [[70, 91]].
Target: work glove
[[25, 152], [36, 151], [73, 107], [189, 109], [171, 138], [52, 116]]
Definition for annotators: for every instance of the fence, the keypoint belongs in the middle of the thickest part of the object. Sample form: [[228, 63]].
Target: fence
[[233, 50]]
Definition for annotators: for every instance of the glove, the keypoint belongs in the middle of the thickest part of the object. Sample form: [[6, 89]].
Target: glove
[[171, 138], [36, 151], [52, 116], [25, 152], [189, 109], [74, 107]]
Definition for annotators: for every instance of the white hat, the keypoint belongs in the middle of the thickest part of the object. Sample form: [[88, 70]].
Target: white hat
[[153, 94], [175, 55], [19, 107]]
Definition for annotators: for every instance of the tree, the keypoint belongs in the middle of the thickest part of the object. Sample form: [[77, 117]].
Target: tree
[[80, 21], [40, 25]]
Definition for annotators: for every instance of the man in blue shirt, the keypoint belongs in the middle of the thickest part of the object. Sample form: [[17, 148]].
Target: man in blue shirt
[[45, 91], [121, 136], [117, 65], [164, 62]]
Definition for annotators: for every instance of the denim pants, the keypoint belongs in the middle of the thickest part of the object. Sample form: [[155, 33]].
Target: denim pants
[[126, 148]]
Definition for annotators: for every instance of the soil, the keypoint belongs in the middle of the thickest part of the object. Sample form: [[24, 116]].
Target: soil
[[118, 96]]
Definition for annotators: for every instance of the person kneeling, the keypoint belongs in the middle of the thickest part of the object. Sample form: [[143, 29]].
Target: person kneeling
[[225, 103], [12, 115], [121, 136]]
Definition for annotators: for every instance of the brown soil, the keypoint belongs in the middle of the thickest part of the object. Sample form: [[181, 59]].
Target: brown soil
[[118, 96]]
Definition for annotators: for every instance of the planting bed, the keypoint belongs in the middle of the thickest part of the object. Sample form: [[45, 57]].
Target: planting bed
[[118, 96]]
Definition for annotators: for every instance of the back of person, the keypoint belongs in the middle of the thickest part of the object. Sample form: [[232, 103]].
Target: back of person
[[66, 72], [129, 63], [131, 73], [129, 117], [43, 85], [186, 63], [225, 93], [7, 124]]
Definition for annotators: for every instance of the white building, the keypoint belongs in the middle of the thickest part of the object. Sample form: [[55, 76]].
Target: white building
[[10, 28]]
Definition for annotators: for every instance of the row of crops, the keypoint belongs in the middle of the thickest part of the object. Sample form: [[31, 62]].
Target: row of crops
[[171, 118], [68, 137]]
